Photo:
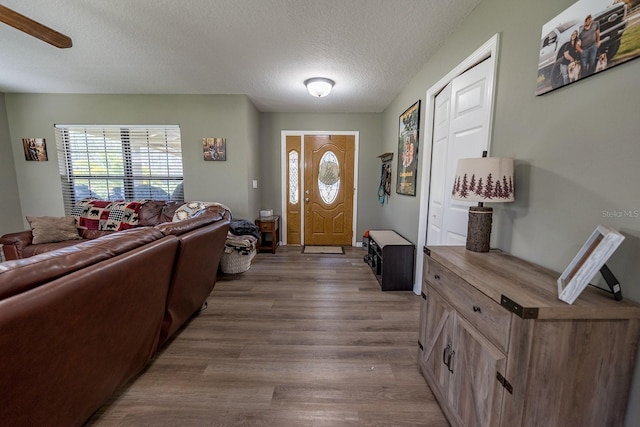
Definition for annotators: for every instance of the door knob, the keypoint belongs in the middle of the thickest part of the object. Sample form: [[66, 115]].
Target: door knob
[[306, 200]]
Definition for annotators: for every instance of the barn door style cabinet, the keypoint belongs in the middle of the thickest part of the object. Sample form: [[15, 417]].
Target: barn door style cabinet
[[498, 348]]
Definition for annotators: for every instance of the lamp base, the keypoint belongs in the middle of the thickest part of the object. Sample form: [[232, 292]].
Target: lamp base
[[479, 229]]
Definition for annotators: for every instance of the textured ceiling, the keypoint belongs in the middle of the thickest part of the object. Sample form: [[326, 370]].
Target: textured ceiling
[[262, 48]]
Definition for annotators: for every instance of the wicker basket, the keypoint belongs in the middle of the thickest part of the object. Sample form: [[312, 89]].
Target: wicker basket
[[234, 261]]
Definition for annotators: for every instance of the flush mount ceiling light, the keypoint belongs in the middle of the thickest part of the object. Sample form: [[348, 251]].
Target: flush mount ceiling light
[[319, 86]]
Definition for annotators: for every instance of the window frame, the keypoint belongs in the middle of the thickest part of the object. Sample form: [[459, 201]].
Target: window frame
[[131, 137]]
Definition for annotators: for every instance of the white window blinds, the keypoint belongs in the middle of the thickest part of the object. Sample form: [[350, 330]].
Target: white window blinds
[[119, 162]]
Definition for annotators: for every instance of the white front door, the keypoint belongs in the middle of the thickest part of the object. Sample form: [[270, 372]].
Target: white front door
[[467, 135]]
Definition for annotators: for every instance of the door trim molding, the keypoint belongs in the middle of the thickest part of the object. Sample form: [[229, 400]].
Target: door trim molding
[[488, 51], [283, 178]]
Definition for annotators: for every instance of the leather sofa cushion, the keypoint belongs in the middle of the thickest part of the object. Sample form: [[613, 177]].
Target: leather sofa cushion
[[194, 275], [180, 227], [14, 243], [168, 211], [23, 274], [154, 212], [31, 250], [200, 219], [94, 234], [150, 213]]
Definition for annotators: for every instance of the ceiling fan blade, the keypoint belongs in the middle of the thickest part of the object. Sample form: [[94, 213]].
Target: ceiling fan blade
[[33, 28]]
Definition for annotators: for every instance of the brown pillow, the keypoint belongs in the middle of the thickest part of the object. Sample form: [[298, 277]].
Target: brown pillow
[[168, 211], [49, 229], [150, 212]]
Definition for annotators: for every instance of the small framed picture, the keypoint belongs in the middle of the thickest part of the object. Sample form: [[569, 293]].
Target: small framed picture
[[588, 261], [35, 149], [214, 149]]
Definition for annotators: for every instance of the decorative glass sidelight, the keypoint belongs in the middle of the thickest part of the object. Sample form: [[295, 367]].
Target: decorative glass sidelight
[[294, 182], [329, 177]]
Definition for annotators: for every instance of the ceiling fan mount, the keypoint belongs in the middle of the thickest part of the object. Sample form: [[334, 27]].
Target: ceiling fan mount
[[34, 28]]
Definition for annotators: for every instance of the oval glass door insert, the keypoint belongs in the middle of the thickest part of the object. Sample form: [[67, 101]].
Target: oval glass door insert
[[329, 177]]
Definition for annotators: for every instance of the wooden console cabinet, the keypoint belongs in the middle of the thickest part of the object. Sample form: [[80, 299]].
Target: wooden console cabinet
[[390, 256], [498, 348]]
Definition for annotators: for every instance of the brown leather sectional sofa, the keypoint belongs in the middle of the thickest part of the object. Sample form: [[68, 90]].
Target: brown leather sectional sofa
[[20, 244], [78, 322], [201, 245]]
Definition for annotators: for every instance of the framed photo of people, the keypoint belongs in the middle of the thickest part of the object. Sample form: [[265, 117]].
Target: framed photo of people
[[35, 149], [589, 37], [408, 150], [214, 149]]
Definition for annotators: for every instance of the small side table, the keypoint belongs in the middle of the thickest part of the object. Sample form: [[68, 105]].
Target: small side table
[[269, 224]]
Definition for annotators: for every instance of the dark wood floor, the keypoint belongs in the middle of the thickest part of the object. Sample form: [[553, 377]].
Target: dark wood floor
[[298, 340]]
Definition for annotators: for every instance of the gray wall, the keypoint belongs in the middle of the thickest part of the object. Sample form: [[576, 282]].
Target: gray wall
[[576, 148], [231, 116], [253, 157], [370, 129], [10, 214]]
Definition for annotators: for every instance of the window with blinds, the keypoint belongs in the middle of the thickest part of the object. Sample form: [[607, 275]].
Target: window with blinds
[[119, 163]]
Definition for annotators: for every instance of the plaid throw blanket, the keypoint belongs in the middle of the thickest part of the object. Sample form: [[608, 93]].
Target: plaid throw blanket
[[105, 215]]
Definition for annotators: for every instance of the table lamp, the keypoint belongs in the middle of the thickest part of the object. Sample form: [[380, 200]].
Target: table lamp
[[483, 179]]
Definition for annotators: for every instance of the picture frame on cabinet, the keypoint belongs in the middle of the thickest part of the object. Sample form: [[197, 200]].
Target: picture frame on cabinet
[[588, 261]]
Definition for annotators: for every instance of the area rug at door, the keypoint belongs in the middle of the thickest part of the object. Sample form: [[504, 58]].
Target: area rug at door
[[337, 250]]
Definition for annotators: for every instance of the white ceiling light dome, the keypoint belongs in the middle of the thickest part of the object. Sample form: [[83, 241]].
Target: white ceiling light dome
[[319, 86]]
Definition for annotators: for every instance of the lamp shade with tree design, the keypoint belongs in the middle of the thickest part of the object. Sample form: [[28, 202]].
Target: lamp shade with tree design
[[482, 179]]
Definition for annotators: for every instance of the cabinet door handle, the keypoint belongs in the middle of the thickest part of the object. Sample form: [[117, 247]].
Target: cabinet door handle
[[445, 355], [477, 309], [436, 276]]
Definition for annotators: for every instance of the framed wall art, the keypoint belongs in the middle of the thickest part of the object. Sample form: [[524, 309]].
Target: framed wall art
[[408, 150], [589, 37], [587, 263], [214, 149], [35, 149]]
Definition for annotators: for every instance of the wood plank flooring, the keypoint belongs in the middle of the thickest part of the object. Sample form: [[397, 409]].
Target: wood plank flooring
[[298, 340]]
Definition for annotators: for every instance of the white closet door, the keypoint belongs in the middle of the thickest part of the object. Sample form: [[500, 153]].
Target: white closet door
[[468, 121], [441, 124]]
